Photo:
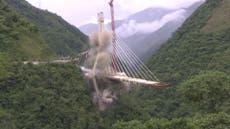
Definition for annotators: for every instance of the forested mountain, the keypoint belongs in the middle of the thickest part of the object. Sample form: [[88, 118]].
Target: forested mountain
[[62, 37], [195, 61], [154, 40], [202, 44], [150, 28], [20, 38]]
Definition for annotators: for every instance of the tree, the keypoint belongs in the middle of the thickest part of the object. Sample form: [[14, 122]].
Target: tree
[[208, 92]]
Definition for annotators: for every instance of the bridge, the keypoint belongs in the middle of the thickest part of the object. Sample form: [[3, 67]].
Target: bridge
[[111, 67], [109, 55], [109, 59]]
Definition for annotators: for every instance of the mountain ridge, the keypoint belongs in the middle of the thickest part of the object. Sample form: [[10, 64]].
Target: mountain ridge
[[194, 62], [199, 37], [137, 28], [20, 38], [63, 38]]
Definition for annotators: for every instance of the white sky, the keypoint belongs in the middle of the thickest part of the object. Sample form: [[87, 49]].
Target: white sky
[[79, 12]]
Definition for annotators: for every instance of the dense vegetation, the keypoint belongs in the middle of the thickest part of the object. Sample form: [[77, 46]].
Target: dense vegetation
[[62, 37], [195, 61], [192, 50], [210, 121], [19, 39], [45, 97]]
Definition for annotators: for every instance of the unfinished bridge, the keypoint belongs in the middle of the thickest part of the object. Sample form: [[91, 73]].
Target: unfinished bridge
[[109, 55], [111, 67]]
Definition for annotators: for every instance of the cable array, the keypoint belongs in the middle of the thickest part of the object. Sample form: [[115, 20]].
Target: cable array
[[129, 63]]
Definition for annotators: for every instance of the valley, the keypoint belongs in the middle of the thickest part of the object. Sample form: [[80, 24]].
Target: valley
[[192, 56]]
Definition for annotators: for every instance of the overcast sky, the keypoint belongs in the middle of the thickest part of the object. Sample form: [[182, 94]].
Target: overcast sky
[[79, 12]]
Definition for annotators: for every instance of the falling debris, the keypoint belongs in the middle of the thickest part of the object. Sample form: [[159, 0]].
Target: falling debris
[[104, 91], [110, 69]]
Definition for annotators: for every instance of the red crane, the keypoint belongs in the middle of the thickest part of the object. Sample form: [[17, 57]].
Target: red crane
[[122, 73], [114, 35], [112, 16]]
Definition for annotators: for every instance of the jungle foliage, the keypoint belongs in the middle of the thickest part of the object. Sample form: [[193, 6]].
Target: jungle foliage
[[19, 39], [194, 61], [64, 39], [196, 64]]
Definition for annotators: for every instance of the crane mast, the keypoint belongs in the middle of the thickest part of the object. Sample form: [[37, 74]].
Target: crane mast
[[113, 35], [120, 72], [112, 16]]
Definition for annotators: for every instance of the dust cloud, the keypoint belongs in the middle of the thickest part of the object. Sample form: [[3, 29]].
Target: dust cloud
[[104, 91]]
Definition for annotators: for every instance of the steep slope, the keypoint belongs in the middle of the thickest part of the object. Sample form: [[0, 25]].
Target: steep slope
[[46, 96], [196, 63], [192, 55], [137, 29], [62, 37], [20, 39], [220, 18], [154, 40], [55, 96], [192, 49], [150, 14], [88, 28]]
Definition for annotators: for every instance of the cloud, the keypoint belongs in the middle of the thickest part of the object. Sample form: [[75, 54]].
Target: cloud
[[78, 12], [132, 27], [137, 5]]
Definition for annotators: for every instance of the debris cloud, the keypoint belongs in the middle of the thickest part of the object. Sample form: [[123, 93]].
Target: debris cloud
[[104, 91]]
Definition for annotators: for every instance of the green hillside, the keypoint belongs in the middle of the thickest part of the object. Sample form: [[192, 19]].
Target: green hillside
[[46, 97], [195, 61], [193, 54], [62, 37], [220, 18], [19, 38], [192, 50]]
